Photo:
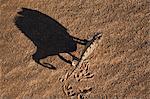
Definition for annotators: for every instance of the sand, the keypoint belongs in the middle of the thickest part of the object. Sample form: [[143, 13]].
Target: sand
[[119, 68]]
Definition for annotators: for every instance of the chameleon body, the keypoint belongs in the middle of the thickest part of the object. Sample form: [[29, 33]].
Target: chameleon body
[[89, 48]]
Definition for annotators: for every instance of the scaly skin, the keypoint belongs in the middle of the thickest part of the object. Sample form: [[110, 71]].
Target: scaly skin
[[89, 48]]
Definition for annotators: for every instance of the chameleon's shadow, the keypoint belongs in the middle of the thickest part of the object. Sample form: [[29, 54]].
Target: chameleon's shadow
[[49, 36]]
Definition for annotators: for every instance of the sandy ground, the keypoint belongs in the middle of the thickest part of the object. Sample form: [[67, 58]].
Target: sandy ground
[[120, 65]]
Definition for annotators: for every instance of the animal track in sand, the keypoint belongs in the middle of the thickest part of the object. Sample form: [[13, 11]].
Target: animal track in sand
[[69, 90], [80, 94], [83, 91], [80, 74], [64, 77], [83, 74]]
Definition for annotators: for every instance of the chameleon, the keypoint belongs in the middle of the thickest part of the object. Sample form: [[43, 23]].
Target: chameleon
[[91, 44]]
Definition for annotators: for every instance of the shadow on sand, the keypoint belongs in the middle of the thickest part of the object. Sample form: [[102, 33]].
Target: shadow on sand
[[49, 36]]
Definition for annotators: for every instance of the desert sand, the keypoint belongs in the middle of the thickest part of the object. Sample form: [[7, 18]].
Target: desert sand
[[37, 32]]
